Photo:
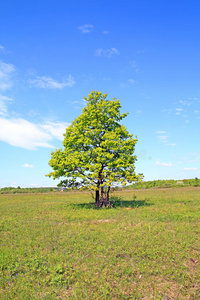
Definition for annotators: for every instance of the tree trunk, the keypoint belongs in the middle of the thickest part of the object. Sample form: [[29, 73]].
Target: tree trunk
[[108, 196], [103, 197], [97, 198]]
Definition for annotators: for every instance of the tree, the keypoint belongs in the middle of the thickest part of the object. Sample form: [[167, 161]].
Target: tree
[[98, 150]]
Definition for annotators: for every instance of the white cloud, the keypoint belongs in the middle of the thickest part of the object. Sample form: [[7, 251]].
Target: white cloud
[[21, 133], [190, 169], [161, 132], [129, 83], [4, 100], [87, 28], [190, 158], [46, 82], [185, 102], [78, 104], [27, 166], [163, 164], [2, 48], [132, 81], [105, 32], [106, 52], [56, 129], [179, 110], [24, 134], [133, 64], [6, 71], [186, 108], [163, 136]]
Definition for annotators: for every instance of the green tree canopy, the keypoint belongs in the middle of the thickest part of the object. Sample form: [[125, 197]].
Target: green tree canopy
[[98, 150]]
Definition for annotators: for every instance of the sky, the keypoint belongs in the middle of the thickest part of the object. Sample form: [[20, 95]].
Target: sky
[[146, 53]]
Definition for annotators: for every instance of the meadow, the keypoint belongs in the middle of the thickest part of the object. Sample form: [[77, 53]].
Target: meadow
[[59, 246]]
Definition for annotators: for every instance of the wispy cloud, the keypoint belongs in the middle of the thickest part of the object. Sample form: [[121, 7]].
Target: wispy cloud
[[190, 158], [179, 110], [27, 166], [190, 169], [133, 81], [46, 82], [163, 137], [186, 109], [6, 82], [4, 100], [24, 134], [56, 129], [163, 164], [161, 132], [188, 102], [133, 64], [21, 133], [129, 83], [6, 71], [87, 28], [2, 48], [106, 52], [105, 32], [78, 104]]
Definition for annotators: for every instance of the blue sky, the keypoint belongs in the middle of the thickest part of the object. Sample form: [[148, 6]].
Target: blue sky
[[146, 53]]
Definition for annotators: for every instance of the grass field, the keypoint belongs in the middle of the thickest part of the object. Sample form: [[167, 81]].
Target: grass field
[[58, 246]]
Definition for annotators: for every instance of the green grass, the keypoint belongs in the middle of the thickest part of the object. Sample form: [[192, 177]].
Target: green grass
[[58, 246]]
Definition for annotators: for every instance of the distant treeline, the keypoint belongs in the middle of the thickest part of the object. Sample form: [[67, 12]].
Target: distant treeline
[[165, 183], [140, 185], [13, 190]]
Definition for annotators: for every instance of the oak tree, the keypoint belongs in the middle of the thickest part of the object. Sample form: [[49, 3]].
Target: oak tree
[[98, 151]]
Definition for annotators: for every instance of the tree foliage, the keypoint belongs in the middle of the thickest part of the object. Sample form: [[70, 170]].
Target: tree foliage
[[98, 150]]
